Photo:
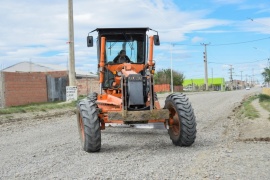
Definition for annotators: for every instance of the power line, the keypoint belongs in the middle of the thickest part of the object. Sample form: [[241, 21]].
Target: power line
[[238, 63], [258, 22], [225, 44], [244, 42], [250, 61]]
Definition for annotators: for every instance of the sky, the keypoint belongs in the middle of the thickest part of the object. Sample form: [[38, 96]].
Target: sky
[[237, 33]]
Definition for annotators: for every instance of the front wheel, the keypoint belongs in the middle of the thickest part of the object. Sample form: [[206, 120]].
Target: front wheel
[[182, 121], [89, 125]]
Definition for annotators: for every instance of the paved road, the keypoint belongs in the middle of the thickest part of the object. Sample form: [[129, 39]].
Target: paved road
[[47, 148]]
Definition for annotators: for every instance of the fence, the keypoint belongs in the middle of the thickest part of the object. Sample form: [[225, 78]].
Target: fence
[[177, 88], [167, 88], [162, 88]]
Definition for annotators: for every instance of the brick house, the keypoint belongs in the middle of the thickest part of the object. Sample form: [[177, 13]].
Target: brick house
[[27, 82]]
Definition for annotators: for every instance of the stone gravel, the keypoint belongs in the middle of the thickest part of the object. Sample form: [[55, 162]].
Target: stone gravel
[[49, 148]]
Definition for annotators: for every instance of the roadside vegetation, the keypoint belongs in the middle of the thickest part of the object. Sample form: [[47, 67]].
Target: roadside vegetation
[[266, 74], [163, 76], [39, 107], [247, 110], [265, 101], [36, 107]]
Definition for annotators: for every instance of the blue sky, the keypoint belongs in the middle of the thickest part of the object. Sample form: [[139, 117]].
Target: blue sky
[[238, 32]]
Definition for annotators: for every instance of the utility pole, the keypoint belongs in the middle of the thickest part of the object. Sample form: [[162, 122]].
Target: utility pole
[[205, 66], [231, 78], [71, 73], [253, 77], [241, 80], [212, 80], [246, 80]]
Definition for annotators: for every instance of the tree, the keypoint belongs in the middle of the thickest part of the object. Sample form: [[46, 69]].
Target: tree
[[163, 76], [266, 75]]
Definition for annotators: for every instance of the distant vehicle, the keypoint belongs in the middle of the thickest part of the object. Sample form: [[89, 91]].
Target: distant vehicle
[[188, 88], [247, 88]]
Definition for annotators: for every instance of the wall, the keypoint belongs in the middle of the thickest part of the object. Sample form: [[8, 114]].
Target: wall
[[87, 85], [167, 88], [177, 88], [23, 88], [162, 87], [198, 84]]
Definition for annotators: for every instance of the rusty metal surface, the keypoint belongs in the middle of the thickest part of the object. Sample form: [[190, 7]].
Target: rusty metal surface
[[139, 115]]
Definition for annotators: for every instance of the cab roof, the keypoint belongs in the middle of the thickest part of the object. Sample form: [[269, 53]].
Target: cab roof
[[122, 30], [129, 28]]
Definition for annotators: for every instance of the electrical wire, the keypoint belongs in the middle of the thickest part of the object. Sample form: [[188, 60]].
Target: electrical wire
[[237, 63], [244, 42], [225, 44]]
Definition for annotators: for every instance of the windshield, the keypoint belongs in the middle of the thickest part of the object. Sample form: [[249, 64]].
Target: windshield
[[133, 45]]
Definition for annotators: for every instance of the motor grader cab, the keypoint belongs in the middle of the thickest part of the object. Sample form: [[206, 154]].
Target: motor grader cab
[[127, 94]]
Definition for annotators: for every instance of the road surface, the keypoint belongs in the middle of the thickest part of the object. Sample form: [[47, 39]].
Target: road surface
[[48, 147]]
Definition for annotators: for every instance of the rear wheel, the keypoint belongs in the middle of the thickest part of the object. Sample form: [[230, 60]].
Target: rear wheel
[[89, 125], [182, 123]]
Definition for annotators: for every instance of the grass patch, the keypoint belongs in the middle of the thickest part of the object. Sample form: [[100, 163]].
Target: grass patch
[[265, 102], [265, 105], [247, 110], [39, 107], [264, 97], [36, 107]]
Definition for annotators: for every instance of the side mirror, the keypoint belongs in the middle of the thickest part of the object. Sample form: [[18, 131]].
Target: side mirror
[[156, 40], [90, 41]]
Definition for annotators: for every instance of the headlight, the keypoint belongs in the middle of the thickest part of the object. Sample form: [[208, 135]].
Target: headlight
[[119, 73]]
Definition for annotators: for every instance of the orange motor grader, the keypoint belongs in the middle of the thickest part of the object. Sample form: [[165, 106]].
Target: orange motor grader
[[127, 90]]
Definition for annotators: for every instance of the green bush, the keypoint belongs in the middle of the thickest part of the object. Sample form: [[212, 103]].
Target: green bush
[[264, 97]]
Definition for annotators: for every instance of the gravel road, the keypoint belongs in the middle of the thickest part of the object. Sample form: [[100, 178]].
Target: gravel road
[[49, 148]]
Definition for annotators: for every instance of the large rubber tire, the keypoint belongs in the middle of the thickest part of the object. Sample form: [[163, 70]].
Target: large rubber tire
[[183, 130], [89, 125]]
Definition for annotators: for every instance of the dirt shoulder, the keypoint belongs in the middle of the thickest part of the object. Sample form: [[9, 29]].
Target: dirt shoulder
[[256, 129], [37, 115]]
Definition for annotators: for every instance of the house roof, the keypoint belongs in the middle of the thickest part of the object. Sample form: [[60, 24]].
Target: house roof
[[40, 67]]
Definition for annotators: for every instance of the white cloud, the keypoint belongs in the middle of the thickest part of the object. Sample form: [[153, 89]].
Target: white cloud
[[32, 23], [228, 1], [225, 66], [258, 25], [197, 39], [30, 28]]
